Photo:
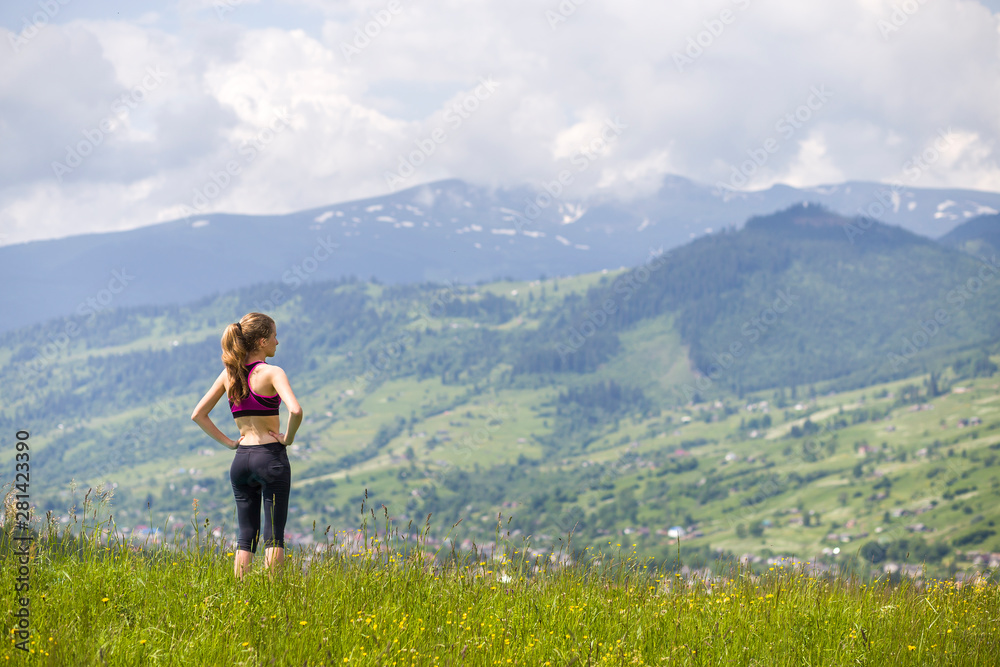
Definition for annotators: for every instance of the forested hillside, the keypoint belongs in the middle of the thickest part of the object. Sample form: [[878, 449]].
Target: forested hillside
[[979, 237], [698, 391]]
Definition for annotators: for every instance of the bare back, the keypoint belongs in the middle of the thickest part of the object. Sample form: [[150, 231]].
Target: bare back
[[254, 428]]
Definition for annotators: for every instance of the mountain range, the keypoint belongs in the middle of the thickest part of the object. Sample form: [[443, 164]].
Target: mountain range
[[443, 231], [805, 364]]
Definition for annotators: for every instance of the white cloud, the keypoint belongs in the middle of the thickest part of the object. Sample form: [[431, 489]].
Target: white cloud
[[812, 164], [353, 119]]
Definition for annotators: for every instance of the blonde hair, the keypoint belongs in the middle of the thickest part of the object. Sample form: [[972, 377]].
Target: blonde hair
[[239, 341]]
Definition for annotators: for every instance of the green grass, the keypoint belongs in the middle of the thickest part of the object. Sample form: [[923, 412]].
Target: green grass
[[966, 460], [114, 603]]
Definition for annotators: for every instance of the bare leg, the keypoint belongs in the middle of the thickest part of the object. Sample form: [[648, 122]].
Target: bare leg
[[241, 564], [274, 558]]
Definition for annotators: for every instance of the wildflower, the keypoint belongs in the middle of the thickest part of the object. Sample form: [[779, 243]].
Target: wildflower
[[911, 647], [105, 599]]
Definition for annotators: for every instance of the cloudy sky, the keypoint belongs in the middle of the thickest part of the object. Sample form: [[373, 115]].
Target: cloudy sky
[[115, 115]]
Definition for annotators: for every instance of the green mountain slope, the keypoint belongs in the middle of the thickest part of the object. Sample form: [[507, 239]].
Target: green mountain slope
[[587, 403], [806, 296], [979, 236]]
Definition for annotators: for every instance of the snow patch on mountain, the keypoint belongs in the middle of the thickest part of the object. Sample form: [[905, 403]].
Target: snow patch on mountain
[[942, 210]]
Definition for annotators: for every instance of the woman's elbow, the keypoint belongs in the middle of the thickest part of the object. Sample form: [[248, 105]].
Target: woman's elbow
[[295, 410]]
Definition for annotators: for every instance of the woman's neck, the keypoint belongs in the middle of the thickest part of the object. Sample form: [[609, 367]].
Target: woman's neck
[[253, 358]]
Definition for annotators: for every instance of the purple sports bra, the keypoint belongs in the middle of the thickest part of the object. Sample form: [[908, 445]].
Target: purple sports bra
[[255, 404]]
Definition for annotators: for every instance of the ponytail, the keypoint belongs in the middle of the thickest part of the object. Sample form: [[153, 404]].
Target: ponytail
[[239, 340]]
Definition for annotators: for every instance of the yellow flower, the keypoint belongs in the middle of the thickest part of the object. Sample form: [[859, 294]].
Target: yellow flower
[[142, 641], [105, 599], [912, 647], [302, 622]]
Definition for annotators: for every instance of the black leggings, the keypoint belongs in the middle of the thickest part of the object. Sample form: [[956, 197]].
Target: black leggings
[[261, 471]]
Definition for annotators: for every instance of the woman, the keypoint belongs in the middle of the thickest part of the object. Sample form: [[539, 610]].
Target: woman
[[260, 468]]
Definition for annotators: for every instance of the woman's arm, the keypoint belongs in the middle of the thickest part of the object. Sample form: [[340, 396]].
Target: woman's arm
[[284, 389], [205, 405]]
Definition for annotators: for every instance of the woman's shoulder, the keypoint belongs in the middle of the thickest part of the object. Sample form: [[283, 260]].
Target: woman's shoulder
[[270, 369]]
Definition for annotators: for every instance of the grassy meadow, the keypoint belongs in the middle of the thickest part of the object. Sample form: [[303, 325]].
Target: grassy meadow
[[385, 600]]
